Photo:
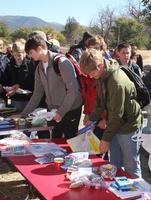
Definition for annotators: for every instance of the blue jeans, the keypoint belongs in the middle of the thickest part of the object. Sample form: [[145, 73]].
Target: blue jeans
[[124, 153]]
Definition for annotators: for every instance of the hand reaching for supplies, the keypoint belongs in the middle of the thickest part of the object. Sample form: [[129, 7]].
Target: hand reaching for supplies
[[10, 91], [57, 117], [102, 124], [104, 146], [85, 119]]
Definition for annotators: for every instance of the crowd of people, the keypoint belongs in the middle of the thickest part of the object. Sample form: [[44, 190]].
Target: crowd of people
[[110, 96]]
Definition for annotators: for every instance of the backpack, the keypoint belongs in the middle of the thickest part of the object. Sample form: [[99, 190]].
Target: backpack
[[73, 48], [76, 51], [143, 96], [80, 75]]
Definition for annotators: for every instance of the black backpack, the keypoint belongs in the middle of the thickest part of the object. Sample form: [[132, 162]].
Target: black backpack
[[143, 96], [73, 48]]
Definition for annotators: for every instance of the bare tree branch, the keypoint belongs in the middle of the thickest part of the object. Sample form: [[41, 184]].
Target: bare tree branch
[[135, 10], [104, 22]]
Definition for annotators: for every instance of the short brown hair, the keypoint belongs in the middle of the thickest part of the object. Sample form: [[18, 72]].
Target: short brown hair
[[96, 42], [34, 42], [90, 60], [123, 46]]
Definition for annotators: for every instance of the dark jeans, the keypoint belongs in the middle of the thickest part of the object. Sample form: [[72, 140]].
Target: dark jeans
[[98, 132], [68, 125]]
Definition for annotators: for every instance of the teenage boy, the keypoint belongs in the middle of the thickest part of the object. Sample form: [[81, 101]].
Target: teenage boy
[[62, 91], [124, 58], [123, 112]]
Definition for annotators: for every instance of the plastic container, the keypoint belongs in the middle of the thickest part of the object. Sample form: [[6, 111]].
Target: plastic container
[[58, 162], [107, 171]]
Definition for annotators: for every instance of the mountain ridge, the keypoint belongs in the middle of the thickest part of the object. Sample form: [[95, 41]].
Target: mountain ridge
[[15, 22]]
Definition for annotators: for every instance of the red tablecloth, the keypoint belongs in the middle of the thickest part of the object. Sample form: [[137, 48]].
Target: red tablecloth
[[50, 182]]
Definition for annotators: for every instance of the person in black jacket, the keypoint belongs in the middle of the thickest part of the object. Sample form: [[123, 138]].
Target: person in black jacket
[[77, 50], [124, 58], [18, 77]]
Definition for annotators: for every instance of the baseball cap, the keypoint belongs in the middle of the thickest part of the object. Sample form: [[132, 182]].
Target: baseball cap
[[55, 42], [55, 45], [52, 44], [41, 34]]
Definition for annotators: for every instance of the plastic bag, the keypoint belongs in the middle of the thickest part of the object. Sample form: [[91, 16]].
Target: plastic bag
[[40, 116], [107, 171]]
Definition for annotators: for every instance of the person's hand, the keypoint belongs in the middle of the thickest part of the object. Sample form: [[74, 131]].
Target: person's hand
[[102, 124], [57, 117], [85, 119], [104, 146], [10, 91], [88, 122]]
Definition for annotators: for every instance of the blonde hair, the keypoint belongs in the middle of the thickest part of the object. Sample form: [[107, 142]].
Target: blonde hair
[[18, 46], [90, 60], [22, 40]]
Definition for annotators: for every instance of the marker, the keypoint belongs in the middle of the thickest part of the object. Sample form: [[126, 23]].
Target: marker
[[86, 128]]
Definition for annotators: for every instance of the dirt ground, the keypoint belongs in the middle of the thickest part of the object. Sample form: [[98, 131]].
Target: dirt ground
[[146, 54], [12, 183]]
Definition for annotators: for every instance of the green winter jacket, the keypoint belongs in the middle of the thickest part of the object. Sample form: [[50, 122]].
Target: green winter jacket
[[118, 93]]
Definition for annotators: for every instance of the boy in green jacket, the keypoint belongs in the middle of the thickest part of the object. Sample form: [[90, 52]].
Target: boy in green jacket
[[124, 118]]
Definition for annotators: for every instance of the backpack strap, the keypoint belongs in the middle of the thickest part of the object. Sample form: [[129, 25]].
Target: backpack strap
[[70, 58], [75, 63], [56, 63]]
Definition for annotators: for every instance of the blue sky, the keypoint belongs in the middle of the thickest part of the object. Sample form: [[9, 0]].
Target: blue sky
[[59, 10]]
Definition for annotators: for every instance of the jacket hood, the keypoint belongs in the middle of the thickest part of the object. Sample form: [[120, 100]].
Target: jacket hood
[[110, 66]]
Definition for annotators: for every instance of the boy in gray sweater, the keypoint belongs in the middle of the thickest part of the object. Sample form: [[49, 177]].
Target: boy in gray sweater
[[62, 91]]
